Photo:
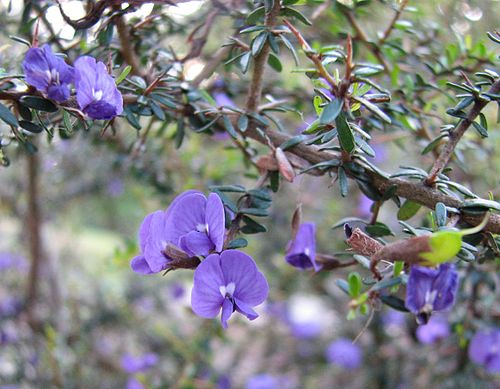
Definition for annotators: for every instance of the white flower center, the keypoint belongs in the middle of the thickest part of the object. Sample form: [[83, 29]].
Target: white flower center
[[53, 76], [97, 94], [202, 228], [227, 290], [307, 251]]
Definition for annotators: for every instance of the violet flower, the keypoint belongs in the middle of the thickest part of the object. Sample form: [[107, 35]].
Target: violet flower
[[430, 290], [48, 73], [344, 353], [230, 281], [436, 329], [301, 251], [263, 381], [484, 349], [96, 91], [192, 223], [131, 364], [134, 383]]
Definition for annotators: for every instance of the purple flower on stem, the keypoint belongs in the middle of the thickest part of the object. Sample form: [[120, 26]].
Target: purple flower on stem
[[263, 381], [131, 364], [48, 73], [96, 91], [344, 353], [301, 251], [430, 290], [134, 383], [193, 223], [436, 329], [230, 281], [484, 349]]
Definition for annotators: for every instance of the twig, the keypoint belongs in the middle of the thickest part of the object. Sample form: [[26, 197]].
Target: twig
[[126, 49], [456, 135], [395, 18]]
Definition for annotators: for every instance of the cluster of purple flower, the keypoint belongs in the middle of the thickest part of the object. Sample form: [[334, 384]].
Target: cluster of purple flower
[[195, 224], [96, 91]]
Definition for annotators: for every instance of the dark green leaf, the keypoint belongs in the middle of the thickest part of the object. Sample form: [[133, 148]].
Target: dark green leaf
[[343, 183], [254, 212], [31, 127], [159, 113], [293, 141], [228, 188], [229, 127], [251, 226], [323, 165], [378, 229], [433, 144], [295, 14], [274, 62], [243, 123], [254, 16], [262, 194], [245, 61], [394, 302], [346, 137], [258, 43], [38, 103], [408, 210], [373, 108], [237, 243], [331, 111], [441, 214], [482, 131], [343, 285], [274, 180], [481, 203], [273, 43], [7, 116], [226, 201], [290, 47]]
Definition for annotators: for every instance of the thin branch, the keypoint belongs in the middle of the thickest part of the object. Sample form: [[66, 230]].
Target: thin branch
[[126, 48], [456, 135], [395, 18]]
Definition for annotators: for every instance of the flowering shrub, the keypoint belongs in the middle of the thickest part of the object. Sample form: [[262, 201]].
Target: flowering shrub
[[371, 117]]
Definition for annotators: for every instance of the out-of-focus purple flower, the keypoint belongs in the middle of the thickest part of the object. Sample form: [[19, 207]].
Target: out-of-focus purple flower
[[436, 329], [223, 100], [177, 291], [264, 381], [230, 281], [96, 91], [12, 261], [48, 73], [134, 383], [131, 364], [364, 208], [193, 223], [115, 187], [305, 316], [306, 330], [344, 353], [392, 318], [10, 306], [484, 349], [224, 382], [301, 251], [430, 290]]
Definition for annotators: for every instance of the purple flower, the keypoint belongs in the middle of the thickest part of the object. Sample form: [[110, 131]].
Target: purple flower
[[301, 251], [192, 223], [344, 353], [393, 319], [134, 383], [230, 281], [47, 73], [436, 329], [96, 91], [115, 187], [263, 381], [430, 290], [12, 261], [176, 290], [131, 364], [484, 349]]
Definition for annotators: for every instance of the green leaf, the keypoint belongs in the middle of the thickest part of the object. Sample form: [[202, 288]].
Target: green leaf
[[228, 188], [245, 61], [243, 123], [331, 111], [343, 285], [258, 43], [373, 108], [157, 110], [39, 103], [346, 137], [295, 14], [378, 229], [274, 181], [354, 281], [254, 212], [7, 116], [441, 214], [408, 210], [237, 243], [290, 47], [123, 74], [229, 127], [275, 62], [433, 144], [293, 141], [323, 165], [394, 302], [31, 127], [482, 131], [343, 184], [180, 132], [487, 204], [254, 16], [444, 246], [251, 226]]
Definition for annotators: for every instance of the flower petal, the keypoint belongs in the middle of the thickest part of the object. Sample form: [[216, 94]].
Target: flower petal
[[145, 228], [419, 283], [215, 219], [250, 285], [227, 311], [245, 309], [206, 299], [139, 265], [301, 250], [184, 216], [446, 284], [196, 243], [156, 242]]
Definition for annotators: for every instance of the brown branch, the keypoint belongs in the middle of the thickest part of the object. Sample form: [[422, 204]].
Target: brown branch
[[456, 135], [395, 18], [255, 90], [126, 48]]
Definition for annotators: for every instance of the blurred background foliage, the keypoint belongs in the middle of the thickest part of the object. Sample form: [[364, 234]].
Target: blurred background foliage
[[94, 191]]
